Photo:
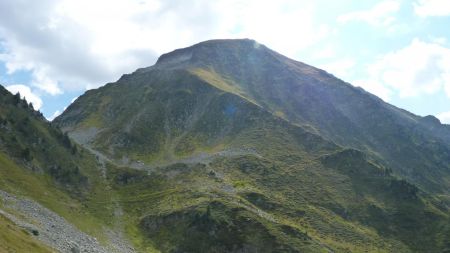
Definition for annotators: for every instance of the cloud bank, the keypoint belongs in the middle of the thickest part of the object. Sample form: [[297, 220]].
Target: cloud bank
[[81, 44], [432, 8], [420, 68], [379, 15], [25, 92], [444, 117]]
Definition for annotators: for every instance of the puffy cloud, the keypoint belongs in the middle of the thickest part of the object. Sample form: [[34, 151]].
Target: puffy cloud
[[25, 92], [426, 8], [439, 40], [380, 15], [419, 68], [326, 52], [54, 115], [56, 48], [287, 26], [374, 87], [444, 117], [340, 68], [79, 44]]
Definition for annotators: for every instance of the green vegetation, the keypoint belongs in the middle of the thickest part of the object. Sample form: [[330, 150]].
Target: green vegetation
[[227, 164], [40, 162], [14, 239]]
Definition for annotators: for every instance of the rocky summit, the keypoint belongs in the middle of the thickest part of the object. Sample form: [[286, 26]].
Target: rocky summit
[[224, 146]]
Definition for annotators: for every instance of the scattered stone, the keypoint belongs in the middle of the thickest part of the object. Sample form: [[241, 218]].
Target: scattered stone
[[55, 231]]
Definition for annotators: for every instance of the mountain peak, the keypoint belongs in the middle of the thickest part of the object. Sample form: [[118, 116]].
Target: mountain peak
[[208, 51]]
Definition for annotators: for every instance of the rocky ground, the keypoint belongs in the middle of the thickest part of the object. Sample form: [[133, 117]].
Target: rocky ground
[[54, 230]]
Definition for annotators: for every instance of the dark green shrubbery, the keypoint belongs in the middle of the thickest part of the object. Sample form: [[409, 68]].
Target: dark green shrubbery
[[68, 175], [213, 228], [403, 189]]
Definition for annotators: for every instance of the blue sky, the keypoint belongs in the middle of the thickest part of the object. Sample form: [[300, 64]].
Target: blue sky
[[52, 51]]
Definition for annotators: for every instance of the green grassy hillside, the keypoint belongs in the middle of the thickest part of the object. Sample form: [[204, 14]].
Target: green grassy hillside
[[14, 239], [39, 162], [415, 148]]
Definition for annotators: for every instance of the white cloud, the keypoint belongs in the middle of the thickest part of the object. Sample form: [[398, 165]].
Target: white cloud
[[326, 52], [79, 44], [419, 68], [426, 8], [444, 117], [382, 14], [439, 40], [374, 87], [340, 68], [286, 26], [54, 115], [25, 92]]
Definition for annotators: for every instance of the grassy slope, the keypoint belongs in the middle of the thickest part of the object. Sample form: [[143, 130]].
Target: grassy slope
[[340, 112], [14, 239], [37, 161], [86, 214], [294, 184]]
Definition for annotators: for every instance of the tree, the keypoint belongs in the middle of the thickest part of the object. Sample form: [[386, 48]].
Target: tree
[[17, 98], [66, 140], [208, 211], [26, 154], [74, 149]]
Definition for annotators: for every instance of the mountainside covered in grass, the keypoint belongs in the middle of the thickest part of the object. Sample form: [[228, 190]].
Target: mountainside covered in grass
[[228, 146], [416, 148], [53, 195]]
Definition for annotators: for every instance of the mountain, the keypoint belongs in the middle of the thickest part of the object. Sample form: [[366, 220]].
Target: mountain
[[224, 146], [261, 153], [415, 148]]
